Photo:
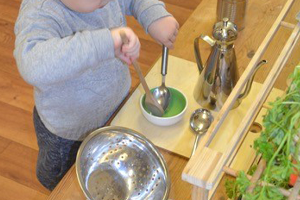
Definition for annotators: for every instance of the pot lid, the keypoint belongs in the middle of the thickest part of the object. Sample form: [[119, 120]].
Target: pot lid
[[225, 30]]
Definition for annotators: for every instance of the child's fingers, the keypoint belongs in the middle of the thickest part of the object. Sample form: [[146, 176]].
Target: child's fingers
[[129, 49], [176, 32], [177, 25], [134, 54], [132, 40], [169, 44], [125, 59], [134, 51], [134, 57], [134, 48], [173, 38]]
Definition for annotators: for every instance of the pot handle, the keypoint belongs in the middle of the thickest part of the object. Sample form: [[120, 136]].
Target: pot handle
[[207, 39]]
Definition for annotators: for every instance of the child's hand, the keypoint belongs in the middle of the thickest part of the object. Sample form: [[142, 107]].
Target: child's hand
[[164, 31], [126, 52]]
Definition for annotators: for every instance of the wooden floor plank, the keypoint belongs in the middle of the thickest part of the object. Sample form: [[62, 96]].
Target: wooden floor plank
[[21, 170], [178, 164], [9, 10], [150, 51], [10, 190], [184, 3], [17, 125], [4, 143], [15, 92], [181, 14], [8, 64]]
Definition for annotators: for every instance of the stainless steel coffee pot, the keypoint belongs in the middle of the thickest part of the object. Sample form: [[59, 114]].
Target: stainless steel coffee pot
[[220, 73]]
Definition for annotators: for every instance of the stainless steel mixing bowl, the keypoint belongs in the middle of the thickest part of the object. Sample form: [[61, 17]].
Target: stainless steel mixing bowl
[[116, 163]]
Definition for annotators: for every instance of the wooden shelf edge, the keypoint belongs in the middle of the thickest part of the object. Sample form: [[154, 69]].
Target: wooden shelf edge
[[206, 181]]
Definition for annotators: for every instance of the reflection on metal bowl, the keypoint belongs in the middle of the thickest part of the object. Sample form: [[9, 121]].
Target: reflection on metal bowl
[[116, 163]]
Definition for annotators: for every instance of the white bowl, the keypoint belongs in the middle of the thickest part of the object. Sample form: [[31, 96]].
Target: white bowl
[[168, 120]]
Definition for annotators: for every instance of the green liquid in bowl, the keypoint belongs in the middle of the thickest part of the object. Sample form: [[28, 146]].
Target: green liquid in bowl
[[176, 106]]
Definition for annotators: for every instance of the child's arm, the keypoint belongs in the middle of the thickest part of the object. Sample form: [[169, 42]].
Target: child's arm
[[44, 58], [145, 11], [153, 16]]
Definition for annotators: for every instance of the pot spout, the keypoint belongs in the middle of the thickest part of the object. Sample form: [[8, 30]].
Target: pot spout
[[250, 81]]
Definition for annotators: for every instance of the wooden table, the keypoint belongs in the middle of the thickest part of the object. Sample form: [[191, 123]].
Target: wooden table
[[260, 17]]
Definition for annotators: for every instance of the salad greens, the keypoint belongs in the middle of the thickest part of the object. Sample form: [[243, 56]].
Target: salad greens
[[278, 144]]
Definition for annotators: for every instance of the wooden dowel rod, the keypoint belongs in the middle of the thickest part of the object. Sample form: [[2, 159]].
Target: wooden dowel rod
[[266, 106], [257, 174], [206, 140], [244, 78], [258, 102], [235, 173], [295, 190], [267, 86], [287, 25]]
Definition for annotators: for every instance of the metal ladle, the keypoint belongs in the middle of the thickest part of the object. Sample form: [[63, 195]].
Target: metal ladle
[[162, 93], [200, 121]]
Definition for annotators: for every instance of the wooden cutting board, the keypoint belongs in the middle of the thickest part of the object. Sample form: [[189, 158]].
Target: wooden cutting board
[[179, 138]]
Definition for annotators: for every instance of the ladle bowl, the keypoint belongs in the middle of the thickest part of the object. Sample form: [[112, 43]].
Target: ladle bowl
[[200, 121]]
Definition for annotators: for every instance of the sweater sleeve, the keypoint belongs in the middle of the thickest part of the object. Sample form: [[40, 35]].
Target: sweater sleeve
[[44, 58], [145, 11]]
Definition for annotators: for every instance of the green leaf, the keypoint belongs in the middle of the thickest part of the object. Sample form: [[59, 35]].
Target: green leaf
[[277, 146], [242, 182]]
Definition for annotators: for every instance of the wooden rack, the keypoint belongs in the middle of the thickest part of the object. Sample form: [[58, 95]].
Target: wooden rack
[[204, 175]]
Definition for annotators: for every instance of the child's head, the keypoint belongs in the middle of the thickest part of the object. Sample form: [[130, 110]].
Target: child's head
[[85, 5]]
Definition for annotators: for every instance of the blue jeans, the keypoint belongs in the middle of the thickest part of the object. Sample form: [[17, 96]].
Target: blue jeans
[[56, 154]]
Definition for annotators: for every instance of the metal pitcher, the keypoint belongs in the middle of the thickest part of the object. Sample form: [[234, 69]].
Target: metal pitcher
[[220, 73]]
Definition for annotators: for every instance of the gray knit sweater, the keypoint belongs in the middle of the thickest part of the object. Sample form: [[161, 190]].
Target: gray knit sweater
[[69, 59]]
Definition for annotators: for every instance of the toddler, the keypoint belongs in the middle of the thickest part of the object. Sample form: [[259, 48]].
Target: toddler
[[71, 52]]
